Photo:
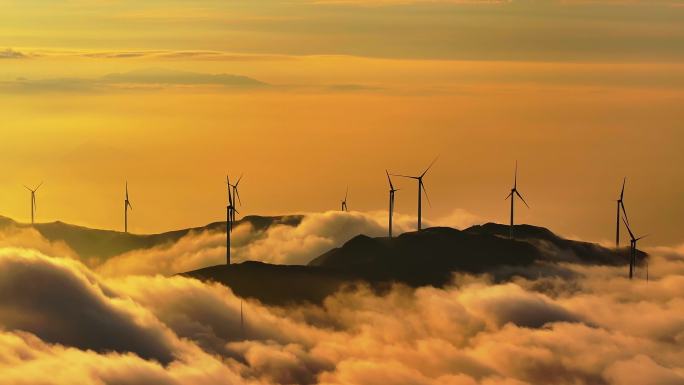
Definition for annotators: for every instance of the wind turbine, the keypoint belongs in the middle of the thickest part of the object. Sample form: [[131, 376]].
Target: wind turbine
[[633, 249], [127, 205], [620, 206], [236, 195], [392, 190], [344, 202], [421, 190], [514, 192], [34, 207], [228, 211], [233, 193], [229, 215]]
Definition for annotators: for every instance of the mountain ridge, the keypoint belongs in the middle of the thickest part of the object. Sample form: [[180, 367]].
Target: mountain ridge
[[428, 257], [102, 244]]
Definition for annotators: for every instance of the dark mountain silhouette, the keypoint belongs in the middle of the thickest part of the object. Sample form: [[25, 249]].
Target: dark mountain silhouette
[[278, 284], [557, 249], [102, 244], [427, 257]]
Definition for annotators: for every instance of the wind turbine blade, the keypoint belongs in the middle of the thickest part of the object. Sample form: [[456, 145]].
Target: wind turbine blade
[[36, 189], [515, 177], [624, 211], [405, 176], [509, 195], [389, 180], [425, 191], [521, 198], [642, 237], [238, 181], [631, 235], [346, 194], [237, 194], [28, 188], [428, 168], [622, 192]]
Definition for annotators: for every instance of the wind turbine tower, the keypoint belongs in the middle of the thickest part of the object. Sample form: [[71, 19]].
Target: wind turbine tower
[[233, 193], [514, 192], [421, 190], [633, 249], [127, 205], [34, 208], [392, 190]]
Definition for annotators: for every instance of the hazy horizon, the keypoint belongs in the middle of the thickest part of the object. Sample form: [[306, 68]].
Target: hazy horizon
[[131, 113], [329, 95]]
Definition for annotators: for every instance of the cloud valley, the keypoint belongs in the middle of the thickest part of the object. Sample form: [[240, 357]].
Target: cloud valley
[[65, 322]]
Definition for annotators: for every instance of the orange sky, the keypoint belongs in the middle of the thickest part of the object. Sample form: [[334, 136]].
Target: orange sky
[[343, 99]]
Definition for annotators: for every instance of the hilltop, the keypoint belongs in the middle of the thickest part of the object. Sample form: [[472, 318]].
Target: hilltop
[[426, 257], [102, 244]]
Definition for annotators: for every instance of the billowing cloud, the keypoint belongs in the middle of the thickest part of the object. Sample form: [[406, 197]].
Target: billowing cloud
[[61, 302], [279, 244], [593, 328]]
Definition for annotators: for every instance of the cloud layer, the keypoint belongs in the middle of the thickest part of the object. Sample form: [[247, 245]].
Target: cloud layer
[[595, 327], [278, 244]]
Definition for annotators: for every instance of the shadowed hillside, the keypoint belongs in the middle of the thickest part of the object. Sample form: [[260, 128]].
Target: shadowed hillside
[[102, 244], [427, 257], [277, 284], [557, 249]]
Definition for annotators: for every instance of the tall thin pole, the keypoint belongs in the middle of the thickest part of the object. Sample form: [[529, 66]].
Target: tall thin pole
[[33, 201], [391, 209], [420, 203], [228, 235], [511, 228], [634, 259], [631, 259], [125, 217]]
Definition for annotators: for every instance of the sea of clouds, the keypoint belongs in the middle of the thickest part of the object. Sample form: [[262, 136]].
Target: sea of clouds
[[63, 321]]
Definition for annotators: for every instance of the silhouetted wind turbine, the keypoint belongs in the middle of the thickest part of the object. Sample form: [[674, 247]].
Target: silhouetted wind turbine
[[229, 216], [620, 206], [633, 249], [392, 190], [127, 205], [236, 195], [228, 207], [344, 202], [34, 207], [514, 192], [421, 190]]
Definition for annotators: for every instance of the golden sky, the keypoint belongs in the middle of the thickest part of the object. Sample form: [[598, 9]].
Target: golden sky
[[329, 94]]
